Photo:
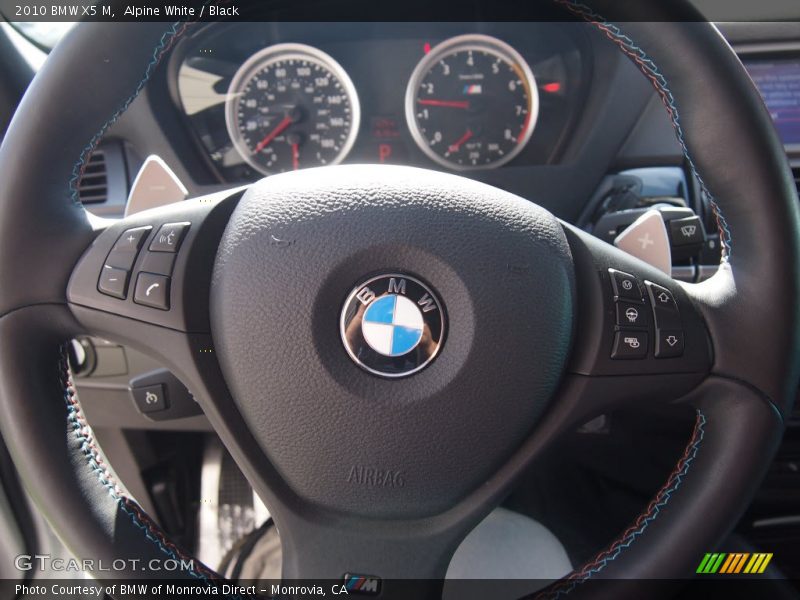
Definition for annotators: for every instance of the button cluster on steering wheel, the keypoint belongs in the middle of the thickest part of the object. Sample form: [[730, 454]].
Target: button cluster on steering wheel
[[632, 330], [154, 271], [631, 337]]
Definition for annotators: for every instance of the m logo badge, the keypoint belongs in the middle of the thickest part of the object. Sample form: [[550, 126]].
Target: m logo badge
[[362, 584]]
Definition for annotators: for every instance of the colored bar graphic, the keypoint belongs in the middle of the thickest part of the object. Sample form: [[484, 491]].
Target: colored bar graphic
[[734, 562]]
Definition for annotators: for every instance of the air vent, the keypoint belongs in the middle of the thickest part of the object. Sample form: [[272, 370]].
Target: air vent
[[93, 186]]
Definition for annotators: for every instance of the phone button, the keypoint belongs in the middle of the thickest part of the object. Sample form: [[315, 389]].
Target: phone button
[[152, 290]]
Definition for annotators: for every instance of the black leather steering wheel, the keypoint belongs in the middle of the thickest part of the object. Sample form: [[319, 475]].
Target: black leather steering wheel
[[252, 327]]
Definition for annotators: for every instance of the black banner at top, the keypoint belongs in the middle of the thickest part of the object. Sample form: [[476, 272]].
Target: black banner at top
[[371, 10]]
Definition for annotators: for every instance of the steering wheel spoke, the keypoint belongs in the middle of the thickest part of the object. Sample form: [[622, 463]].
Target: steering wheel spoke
[[628, 316], [639, 338]]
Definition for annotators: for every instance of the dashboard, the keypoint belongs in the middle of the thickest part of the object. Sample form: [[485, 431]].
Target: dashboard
[[263, 98]]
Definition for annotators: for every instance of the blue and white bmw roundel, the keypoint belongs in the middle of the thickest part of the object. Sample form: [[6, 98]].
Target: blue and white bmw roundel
[[392, 325]]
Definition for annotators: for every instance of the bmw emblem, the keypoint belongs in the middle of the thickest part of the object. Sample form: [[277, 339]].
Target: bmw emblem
[[392, 325]]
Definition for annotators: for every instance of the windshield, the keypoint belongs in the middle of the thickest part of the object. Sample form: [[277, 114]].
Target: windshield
[[44, 35]]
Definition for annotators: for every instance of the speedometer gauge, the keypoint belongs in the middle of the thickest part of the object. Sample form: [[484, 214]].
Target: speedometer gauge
[[472, 103], [291, 106]]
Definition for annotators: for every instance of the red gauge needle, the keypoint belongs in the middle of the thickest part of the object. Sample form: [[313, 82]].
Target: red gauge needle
[[287, 120], [447, 103], [295, 157], [456, 145]]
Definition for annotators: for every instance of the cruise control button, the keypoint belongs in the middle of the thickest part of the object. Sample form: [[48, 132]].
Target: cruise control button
[[131, 240], [126, 248], [629, 344], [661, 297], [169, 237], [630, 315], [152, 290], [625, 286], [669, 343], [113, 282]]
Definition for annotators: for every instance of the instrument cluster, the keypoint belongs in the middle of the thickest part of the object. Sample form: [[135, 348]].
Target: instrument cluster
[[263, 98]]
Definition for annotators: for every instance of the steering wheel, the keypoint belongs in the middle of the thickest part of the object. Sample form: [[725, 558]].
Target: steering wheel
[[384, 475]]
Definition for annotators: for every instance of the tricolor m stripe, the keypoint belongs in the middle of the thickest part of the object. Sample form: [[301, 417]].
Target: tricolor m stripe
[[362, 584], [734, 562]]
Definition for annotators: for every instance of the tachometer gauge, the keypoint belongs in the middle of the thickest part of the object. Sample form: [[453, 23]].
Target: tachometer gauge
[[291, 106], [472, 103]]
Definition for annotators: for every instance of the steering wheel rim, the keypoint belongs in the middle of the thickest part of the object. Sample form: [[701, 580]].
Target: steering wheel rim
[[744, 394]]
